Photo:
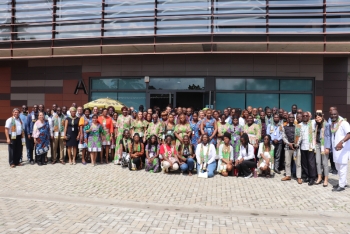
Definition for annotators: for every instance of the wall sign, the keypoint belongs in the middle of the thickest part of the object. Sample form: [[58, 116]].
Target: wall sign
[[80, 86]]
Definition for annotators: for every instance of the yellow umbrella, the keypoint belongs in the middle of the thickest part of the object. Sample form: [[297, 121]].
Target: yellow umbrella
[[104, 103]]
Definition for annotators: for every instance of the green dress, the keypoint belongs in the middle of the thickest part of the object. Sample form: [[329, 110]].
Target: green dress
[[222, 128], [94, 140], [123, 122], [181, 130], [154, 129], [139, 127]]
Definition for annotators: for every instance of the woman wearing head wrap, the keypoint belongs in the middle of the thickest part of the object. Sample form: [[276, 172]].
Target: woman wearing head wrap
[[72, 134]]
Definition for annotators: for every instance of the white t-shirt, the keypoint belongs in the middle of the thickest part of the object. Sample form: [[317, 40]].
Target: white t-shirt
[[241, 121], [243, 152], [211, 155], [19, 126], [342, 156]]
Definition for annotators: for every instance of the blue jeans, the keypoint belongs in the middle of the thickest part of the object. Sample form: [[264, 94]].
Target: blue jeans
[[188, 165], [210, 168]]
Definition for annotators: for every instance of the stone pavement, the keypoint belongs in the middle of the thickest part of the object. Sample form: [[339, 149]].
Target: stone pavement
[[110, 199]]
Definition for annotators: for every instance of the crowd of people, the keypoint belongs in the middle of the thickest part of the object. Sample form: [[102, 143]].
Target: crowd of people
[[249, 142]]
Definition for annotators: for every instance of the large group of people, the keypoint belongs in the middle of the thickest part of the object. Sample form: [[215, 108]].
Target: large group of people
[[249, 142]]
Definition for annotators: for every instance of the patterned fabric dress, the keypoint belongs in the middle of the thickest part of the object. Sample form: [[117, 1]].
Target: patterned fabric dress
[[253, 132], [113, 140], [42, 134], [235, 132], [222, 128], [123, 122], [181, 130], [209, 128], [154, 129], [94, 140], [139, 127], [195, 127], [155, 165], [87, 123]]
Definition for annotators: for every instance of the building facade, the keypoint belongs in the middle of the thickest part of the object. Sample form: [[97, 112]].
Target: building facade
[[193, 53]]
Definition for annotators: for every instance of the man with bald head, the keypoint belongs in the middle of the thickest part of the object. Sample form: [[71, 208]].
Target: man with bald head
[[340, 130], [333, 169]]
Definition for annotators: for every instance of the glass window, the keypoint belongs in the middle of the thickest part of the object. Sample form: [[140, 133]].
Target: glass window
[[137, 83], [33, 32], [296, 85], [262, 100], [5, 12], [128, 99], [78, 9], [230, 84], [303, 29], [104, 84], [129, 27], [183, 25], [76, 30], [235, 100], [303, 101], [5, 33], [248, 7], [33, 11], [97, 95], [177, 83], [119, 9], [132, 99], [184, 7], [262, 84]]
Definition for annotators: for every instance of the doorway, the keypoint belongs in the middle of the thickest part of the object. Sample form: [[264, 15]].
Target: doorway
[[190, 99], [162, 100]]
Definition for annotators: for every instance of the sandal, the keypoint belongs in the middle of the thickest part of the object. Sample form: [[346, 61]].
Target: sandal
[[12, 166]]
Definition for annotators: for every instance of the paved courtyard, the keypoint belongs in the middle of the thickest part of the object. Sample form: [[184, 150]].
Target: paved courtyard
[[110, 199]]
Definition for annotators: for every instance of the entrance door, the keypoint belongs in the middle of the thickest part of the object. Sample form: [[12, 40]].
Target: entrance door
[[162, 100], [190, 99]]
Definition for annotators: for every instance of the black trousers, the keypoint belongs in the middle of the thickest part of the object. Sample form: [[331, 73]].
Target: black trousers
[[331, 160], [278, 154], [136, 161], [245, 167], [15, 150], [40, 158], [308, 163]]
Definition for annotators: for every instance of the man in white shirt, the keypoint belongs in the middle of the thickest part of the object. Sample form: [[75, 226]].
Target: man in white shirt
[[340, 130], [333, 169], [57, 133], [14, 131], [307, 148]]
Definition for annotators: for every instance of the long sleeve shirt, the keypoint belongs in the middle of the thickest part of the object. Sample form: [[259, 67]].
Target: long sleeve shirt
[[275, 131], [289, 135], [305, 140], [243, 153], [211, 155], [30, 123], [23, 117]]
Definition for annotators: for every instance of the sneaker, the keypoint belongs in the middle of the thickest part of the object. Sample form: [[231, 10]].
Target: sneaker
[[334, 172], [115, 162], [249, 176]]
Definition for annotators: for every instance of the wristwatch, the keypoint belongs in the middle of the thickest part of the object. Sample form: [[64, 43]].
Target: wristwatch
[[342, 141]]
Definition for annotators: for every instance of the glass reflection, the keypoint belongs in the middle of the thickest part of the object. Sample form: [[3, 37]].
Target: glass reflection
[[183, 7], [117, 8], [78, 9], [176, 83], [296, 85], [249, 7], [262, 84], [230, 84], [5, 12]]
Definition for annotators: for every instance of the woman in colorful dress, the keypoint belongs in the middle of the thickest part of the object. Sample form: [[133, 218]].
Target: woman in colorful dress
[[113, 140], [123, 123], [72, 135], [84, 121], [169, 127], [139, 126], [152, 162], [124, 148], [182, 129], [108, 129], [243, 118], [253, 131], [186, 156], [216, 116], [95, 133], [225, 163], [265, 155], [201, 115], [210, 127], [222, 128], [168, 154], [195, 124], [236, 131], [154, 128], [41, 135], [137, 150]]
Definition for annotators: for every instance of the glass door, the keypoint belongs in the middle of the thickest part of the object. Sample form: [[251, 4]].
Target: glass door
[[161, 100]]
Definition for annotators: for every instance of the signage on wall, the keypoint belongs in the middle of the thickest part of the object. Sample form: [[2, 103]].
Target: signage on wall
[[80, 86]]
